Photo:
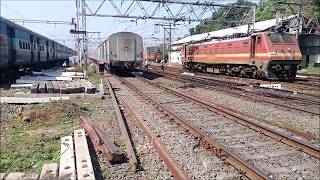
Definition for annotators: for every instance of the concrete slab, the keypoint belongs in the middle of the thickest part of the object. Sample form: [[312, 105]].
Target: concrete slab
[[17, 86], [89, 88], [2, 175], [49, 87], [56, 87], [34, 87], [45, 78], [15, 176], [42, 87], [24, 100], [49, 171], [69, 87], [76, 88], [46, 95], [83, 160], [31, 177], [67, 169], [63, 88]]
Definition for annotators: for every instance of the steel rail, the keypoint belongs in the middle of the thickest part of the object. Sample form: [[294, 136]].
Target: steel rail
[[207, 81], [124, 132], [171, 163], [220, 150], [238, 93], [246, 121], [179, 70], [101, 144]]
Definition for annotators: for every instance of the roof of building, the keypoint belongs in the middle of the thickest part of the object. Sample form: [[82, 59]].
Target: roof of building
[[258, 27]]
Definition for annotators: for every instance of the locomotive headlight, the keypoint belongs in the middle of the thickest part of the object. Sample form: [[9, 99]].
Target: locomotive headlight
[[126, 48]]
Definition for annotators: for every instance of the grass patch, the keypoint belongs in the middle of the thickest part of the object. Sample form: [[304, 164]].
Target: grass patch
[[93, 75], [27, 146], [310, 71]]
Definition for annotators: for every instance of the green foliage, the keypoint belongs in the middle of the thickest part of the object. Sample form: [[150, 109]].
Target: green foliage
[[265, 9], [310, 71], [231, 19], [25, 149]]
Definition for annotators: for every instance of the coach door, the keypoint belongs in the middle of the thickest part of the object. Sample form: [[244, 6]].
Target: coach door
[[32, 48], [11, 46], [253, 46], [126, 49]]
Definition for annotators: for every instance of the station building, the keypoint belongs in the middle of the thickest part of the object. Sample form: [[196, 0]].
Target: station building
[[309, 40]]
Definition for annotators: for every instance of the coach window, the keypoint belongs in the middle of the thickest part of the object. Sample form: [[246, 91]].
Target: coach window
[[20, 44], [23, 45]]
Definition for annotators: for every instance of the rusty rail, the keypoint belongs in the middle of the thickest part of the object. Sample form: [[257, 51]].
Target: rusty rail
[[124, 132], [236, 161], [101, 143], [171, 163], [246, 121]]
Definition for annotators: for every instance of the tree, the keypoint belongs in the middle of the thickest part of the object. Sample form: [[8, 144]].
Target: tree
[[265, 9], [235, 14]]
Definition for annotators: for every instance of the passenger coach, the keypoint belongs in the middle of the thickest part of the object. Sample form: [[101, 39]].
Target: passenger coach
[[20, 47], [121, 51]]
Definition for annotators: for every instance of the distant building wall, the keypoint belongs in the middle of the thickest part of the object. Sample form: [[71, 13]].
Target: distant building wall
[[175, 57], [310, 50]]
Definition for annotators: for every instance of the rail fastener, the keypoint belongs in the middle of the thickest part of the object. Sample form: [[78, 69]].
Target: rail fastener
[[101, 144], [171, 163], [124, 132]]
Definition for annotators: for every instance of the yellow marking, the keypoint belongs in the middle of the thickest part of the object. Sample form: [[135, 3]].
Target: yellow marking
[[272, 54]]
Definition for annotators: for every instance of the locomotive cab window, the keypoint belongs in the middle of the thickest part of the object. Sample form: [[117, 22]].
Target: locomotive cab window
[[258, 40]]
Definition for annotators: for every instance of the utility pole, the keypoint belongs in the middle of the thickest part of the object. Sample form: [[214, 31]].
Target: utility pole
[[78, 36], [167, 28], [84, 39], [164, 43]]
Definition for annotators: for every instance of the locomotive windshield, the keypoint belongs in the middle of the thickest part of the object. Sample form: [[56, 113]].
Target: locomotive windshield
[[282, 38]]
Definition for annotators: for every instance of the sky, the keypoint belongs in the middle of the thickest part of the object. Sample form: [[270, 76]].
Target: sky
[[65, 10]]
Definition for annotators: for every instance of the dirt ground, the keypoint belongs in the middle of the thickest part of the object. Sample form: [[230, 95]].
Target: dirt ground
[[30, 134]]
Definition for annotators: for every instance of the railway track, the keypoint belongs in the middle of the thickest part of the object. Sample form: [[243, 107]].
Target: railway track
[[300, 85], [287, 102], [195, 160], [259, 152]]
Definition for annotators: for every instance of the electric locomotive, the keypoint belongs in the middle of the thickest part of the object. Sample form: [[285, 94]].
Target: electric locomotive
[[267, 55]]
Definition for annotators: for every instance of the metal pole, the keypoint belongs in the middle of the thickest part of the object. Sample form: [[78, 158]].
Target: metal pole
[[253, 18], [169, 55], [84, 39], [78, 36], [164, 42], [300, 21]]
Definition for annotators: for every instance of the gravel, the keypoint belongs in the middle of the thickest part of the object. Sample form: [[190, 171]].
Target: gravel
[[195, 160], [263, 113], [231, 134]]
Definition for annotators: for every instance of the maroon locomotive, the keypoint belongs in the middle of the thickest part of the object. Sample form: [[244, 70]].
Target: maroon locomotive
[[267, 55], [153, 56]]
